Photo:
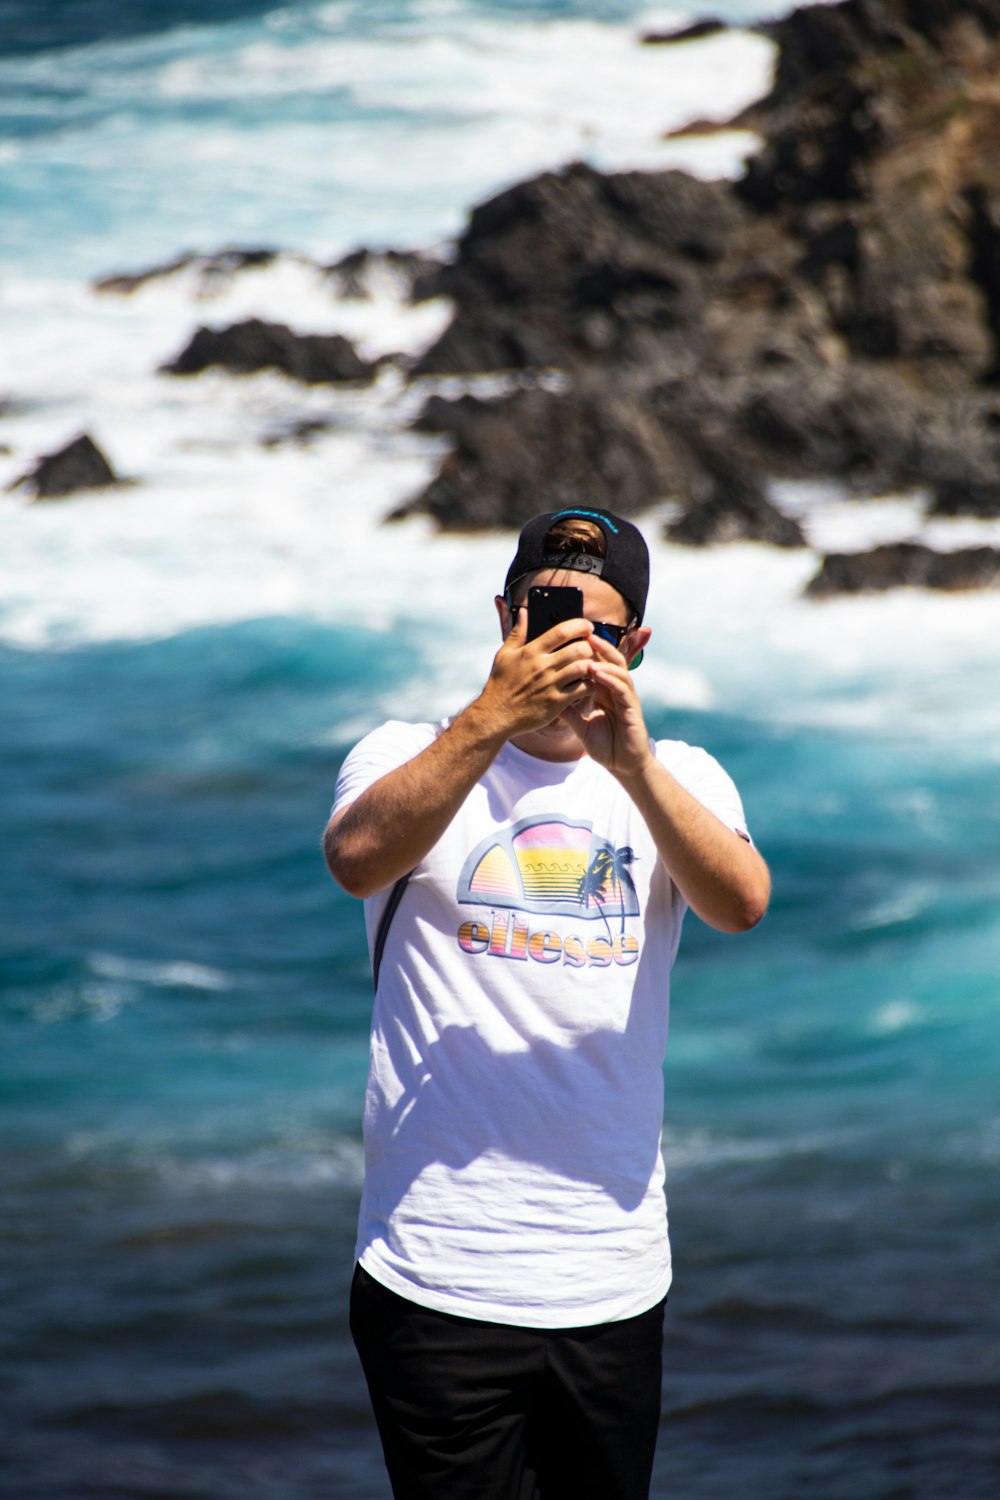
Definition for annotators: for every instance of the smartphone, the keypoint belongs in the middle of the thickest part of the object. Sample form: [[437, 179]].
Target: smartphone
[[550, 605]]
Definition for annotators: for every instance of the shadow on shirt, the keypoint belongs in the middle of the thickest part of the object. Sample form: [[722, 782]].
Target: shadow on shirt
[[588, 1110]]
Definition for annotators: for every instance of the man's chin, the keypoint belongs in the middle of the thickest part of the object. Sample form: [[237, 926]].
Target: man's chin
[[565, 723], [556, 740]]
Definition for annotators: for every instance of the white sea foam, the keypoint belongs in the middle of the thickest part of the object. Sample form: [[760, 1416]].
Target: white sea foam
[[92, 1002], [299, 1160], [894, 1016], [909, 660], [295, 1166], [117, 984], [218, 528], [160, 975], [359, 133], [327, 133], [686, 1152], [905, 903]]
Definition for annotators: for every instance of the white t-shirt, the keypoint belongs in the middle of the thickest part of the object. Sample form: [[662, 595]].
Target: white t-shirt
[[515, 1092]]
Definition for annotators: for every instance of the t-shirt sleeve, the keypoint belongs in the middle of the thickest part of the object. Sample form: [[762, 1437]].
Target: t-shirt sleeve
[[701, 774], [380, 752]]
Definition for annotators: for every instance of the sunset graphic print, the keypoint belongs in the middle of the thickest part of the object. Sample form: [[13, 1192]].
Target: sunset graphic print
[[552, 866]]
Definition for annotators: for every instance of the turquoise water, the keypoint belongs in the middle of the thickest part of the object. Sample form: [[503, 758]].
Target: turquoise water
[[146, 130], [183, 1143], [184, 995]]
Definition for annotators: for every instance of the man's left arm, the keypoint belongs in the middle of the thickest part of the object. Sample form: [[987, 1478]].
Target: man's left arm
[[720, 875]]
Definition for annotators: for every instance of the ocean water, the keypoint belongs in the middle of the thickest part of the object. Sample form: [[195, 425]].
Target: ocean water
[[184, 995]]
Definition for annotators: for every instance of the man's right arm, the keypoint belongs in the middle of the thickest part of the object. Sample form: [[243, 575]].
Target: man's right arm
[[391, 826], [396, 821]]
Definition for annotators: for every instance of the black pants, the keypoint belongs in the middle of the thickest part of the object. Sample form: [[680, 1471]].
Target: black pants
[[482, 1411]]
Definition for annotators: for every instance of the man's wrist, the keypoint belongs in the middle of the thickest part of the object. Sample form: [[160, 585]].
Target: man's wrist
[[485, 727], [637, 775]]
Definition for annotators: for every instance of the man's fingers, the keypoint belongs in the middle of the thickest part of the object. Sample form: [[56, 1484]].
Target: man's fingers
[[604, 651], [519, 626], [577, 655], [612, 676], [592, 714], [559, 636], [571, 685]]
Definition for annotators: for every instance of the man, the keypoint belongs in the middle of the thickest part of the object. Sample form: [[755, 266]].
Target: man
[[513, 1253]]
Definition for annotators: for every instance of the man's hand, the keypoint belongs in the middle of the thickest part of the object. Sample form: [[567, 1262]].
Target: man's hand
[[721, 877], [533, 682], [393, 824], [611, 725]]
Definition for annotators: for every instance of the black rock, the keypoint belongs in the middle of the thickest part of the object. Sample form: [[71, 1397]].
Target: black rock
[[736, 510], [983, 205], [301, 433], [439, 414], [538, 450], [976, 495], [79, 466], [695, 32], [574, 268], [356, 274], [215, 266], [255, 345], [905, 564], [959, 461], [863, 424], [835, 315]]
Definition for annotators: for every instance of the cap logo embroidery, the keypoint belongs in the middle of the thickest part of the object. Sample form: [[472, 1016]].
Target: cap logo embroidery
[[574, 562]]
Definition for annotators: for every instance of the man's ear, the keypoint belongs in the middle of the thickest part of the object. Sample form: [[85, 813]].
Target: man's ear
[[506, 619], [635, 643]]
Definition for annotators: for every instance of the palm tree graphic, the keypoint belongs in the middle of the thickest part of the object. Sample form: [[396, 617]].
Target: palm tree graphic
[[608, 868]]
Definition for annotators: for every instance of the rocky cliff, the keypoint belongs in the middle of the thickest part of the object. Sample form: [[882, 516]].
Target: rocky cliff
[[836, 312]]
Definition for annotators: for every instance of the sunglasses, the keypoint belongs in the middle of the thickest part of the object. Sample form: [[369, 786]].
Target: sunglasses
[[613, 634]]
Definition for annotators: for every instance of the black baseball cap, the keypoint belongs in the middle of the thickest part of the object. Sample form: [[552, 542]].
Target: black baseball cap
[[625, 564]]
